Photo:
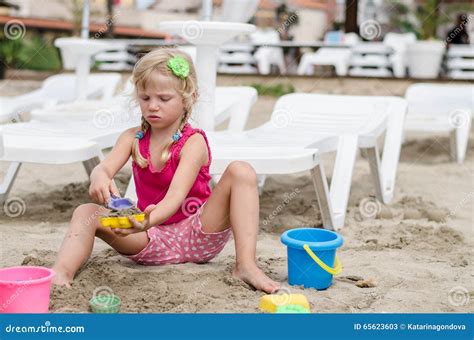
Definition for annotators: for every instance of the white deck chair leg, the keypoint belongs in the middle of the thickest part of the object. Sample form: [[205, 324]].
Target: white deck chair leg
[[452, 145], [341, 70], [322, 194], [372, 155], [7, 183], [342, 177], [304, 67], [459, 139], [281, 64], [384, 171], [90, 164]]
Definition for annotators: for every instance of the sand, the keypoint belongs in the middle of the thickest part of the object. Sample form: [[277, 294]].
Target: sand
[[416, 253]]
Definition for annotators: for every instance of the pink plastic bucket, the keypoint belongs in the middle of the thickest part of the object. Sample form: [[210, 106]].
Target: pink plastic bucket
[[25, 289]]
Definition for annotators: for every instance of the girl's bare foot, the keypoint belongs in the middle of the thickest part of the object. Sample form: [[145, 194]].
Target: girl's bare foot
[[61, 279], [255, 277]]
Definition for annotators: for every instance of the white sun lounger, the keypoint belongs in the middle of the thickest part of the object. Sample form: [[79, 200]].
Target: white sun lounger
[[56, 89], [460, 62], [268, 56], [370, 59], [56, 143], [441, 108], [17, 149], [338, 57], [331, 123], [332, 56]]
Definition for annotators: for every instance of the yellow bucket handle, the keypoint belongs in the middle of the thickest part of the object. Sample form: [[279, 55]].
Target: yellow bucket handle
[[333, 271]]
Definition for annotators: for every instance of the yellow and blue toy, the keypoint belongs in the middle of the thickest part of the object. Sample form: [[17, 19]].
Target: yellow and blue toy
[[121, 208]]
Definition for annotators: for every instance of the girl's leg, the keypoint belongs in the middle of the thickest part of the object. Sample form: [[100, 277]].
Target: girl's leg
[[234, 201], [79, 240]]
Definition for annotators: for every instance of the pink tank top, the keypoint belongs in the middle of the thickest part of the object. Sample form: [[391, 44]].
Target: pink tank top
[[152, 185]]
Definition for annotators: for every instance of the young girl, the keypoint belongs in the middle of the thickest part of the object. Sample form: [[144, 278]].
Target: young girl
[[184, 220]]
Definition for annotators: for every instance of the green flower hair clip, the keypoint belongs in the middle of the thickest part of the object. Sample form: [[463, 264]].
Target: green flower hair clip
[[179, 66]]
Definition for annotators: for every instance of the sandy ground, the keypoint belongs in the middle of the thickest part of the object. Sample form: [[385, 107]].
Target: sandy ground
[[418, 250]]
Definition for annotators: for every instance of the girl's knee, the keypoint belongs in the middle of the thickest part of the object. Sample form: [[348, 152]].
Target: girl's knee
[[243, 172], [88, 214]]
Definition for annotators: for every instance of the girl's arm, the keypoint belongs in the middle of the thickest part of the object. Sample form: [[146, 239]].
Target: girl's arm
[[102, 175], [193, 156]]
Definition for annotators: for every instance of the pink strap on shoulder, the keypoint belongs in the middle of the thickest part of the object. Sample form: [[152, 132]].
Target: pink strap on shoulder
[[187, 132]]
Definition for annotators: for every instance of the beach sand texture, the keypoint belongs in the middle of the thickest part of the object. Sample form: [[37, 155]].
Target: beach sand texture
[[418, 250]]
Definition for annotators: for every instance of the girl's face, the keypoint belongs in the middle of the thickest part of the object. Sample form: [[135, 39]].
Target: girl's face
[[161, 105]]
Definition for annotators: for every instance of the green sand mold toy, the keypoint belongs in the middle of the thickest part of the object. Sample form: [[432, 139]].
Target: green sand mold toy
[[105, 304]]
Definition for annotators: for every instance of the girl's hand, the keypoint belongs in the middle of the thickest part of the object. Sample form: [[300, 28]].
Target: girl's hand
[[100, 193], [137, 226]]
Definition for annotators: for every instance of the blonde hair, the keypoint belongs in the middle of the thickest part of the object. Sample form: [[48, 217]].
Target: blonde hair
[[157, 60]]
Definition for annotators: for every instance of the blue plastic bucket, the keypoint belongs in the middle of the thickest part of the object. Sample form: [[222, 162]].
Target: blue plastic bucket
[[312, 259]]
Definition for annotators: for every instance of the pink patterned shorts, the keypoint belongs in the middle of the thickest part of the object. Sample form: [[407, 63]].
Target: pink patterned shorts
[[180, 242]]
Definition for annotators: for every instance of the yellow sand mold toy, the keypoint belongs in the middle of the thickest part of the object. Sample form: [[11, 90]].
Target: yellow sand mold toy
[[270, 303], [120, 222], [121, 210]]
